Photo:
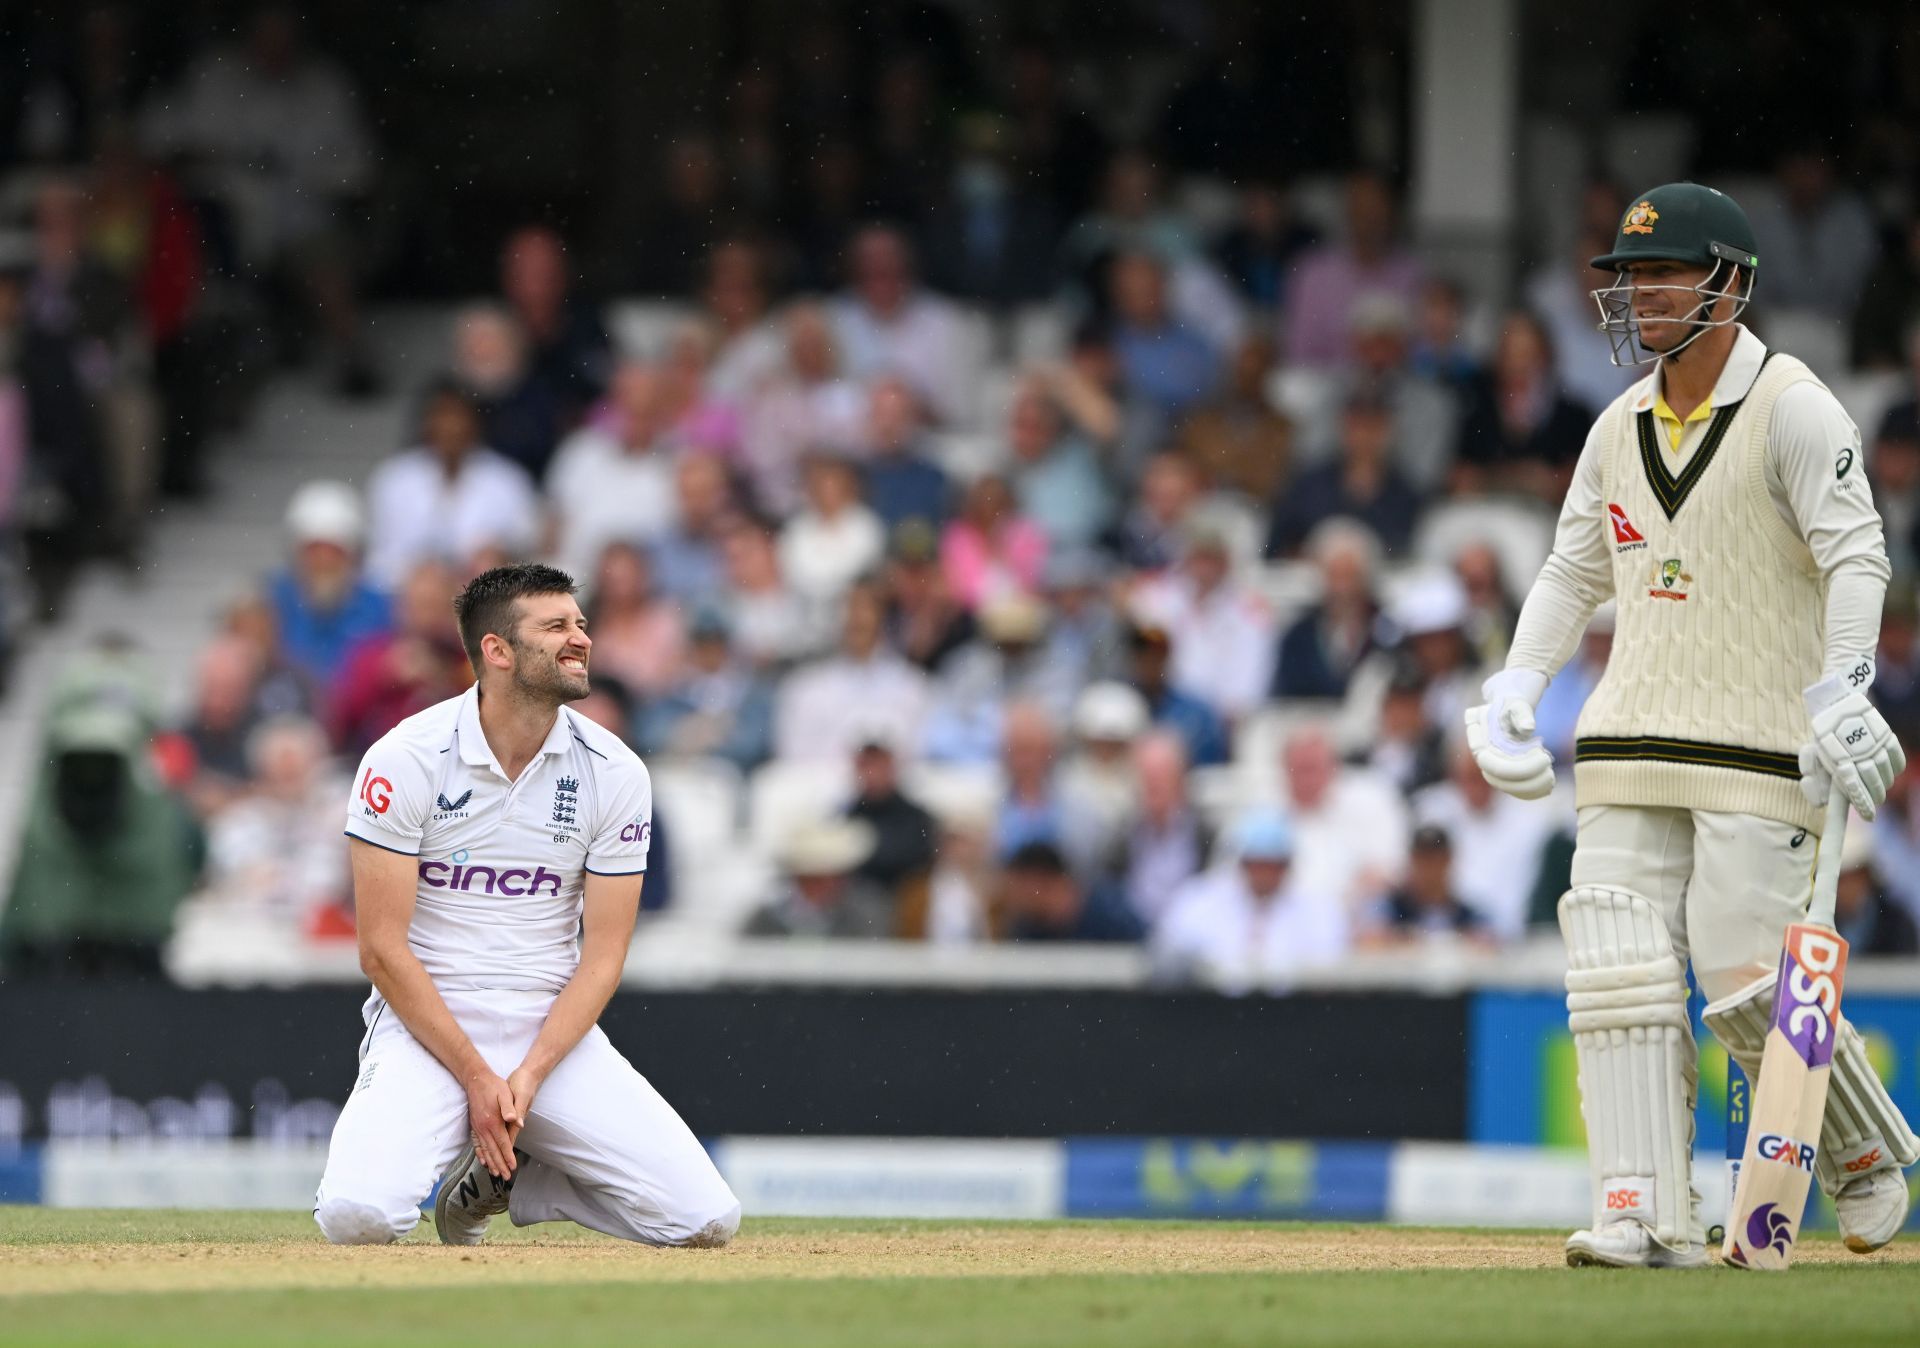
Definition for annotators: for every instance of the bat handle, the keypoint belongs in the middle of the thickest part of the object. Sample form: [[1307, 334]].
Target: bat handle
[[1826, 866]]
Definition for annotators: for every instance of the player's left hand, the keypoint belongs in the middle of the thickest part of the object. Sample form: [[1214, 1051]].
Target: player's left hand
[[1852, 747]]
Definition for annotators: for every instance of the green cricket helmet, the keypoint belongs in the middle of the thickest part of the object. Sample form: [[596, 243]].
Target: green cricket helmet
[[1680, 222], [1683, 222]]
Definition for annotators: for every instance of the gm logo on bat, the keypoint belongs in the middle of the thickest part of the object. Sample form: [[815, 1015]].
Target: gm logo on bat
[[1786, 1150]]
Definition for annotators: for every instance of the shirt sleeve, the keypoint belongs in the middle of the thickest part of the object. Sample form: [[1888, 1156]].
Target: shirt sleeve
[[1577, 577], [624, 829], [391, 795], [1814, 462]]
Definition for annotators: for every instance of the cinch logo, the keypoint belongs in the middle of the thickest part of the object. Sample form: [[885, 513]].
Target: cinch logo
[[1625, 537], [377, 792], [636, 833], [1860, 1163], [463, 877], [1786, 1150], [1622, 1200]]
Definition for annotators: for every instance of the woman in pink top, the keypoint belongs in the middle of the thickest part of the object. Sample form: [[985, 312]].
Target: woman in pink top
[[990, 549], [638, 636]]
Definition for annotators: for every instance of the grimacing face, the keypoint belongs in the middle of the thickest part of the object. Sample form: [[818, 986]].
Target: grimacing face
[[550, 647]]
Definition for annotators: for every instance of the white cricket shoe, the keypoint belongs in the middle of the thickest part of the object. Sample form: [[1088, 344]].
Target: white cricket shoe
[[1871, 1209], [470, 1196], [1629, 1245]]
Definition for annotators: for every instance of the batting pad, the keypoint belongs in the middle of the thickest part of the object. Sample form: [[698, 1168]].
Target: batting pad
[[1627, 1008], [1862, 1130]]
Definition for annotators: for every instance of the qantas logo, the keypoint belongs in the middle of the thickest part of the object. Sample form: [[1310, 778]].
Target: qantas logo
[[1626, 538]]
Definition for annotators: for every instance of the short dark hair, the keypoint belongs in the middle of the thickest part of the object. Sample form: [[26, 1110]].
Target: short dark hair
[[486, 604]]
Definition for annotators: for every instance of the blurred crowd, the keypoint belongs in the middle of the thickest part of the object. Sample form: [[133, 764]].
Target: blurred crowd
[[1011, 532]]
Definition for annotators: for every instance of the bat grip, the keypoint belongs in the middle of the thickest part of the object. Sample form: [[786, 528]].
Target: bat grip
[[1826, 865]]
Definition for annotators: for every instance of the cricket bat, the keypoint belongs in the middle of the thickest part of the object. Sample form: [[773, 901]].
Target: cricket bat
[[1790, 1098]]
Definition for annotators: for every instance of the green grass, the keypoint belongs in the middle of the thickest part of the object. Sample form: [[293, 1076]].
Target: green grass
[[1844, 1305]]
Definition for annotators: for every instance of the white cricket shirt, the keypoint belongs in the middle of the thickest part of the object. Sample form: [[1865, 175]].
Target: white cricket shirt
[[502, 863]]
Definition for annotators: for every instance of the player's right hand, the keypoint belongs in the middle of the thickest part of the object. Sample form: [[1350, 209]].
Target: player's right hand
[[495, 1119], [1501, 734]]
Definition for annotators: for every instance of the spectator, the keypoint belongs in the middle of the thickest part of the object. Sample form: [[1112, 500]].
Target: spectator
[[720, 706], [1439, 350], [734, 300], [901, 863], [1896, 681], [1035, 809], [1134, 215], [520, 415], [975, 683], [1817, 239], [1350, 824], [960, 892], [1497, 842], [1222, 630], [1361, 484], [1166, 843], [1235, 440], [824, 895], [1056, 473], [990, 551], [1430, 617], [106, 856], [1562, 295], [1320, 651], [820, 708], [1164, 361], [1425, 908], [1491, 614], [696, 415], [925, 623], [834, 539], [771, 624], [886, 324], [322, 606], [689, 559], [390, 675], [278, 688], [1426, 414], [1407, 749], [1557, 717], [1196, 723], [1054, 143], [1863, 913], [1040, 899], [1099, 778], [902, 482], [1330, 280], [639, 636], [1521, 432], [1894, 469], [992, 238], [276, 851], [803, 402], [275, 133], [1259, 251], [225, 713], [1152, 533], [615, 483], [1254, 924], [1896, 833], [448, 499], [690, 207], [1086, 638], [566, 338]]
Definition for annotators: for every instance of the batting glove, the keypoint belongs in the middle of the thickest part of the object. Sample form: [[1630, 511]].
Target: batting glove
[[1852, 746], [1501, 734]]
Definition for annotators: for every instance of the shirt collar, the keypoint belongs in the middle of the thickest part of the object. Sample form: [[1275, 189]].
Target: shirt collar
[[474, 748], [1735, 381]]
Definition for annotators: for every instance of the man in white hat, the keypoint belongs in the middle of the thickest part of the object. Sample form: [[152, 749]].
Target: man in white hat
[[322, 602], [823, 897]]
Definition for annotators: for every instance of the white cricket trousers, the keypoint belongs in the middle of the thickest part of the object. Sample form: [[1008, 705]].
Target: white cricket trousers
[[603, 1148]]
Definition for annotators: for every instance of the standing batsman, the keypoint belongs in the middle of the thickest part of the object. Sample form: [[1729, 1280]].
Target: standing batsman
[[1721, 501], [499, 842]]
